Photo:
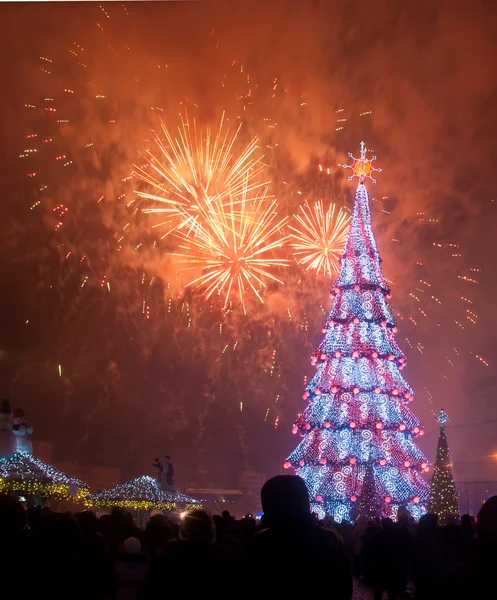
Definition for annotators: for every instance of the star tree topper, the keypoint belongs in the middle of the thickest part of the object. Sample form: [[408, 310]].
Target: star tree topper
[[362, 167], [442, 417]]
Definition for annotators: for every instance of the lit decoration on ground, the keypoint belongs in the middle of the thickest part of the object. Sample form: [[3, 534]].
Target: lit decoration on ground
[[24, 474], [357, 454], [195, 169], [234, 246], [318, 237], [142, 493], [443, 496]]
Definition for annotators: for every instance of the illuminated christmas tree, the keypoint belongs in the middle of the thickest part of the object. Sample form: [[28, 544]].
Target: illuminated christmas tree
[[443, 497], [357, 447]]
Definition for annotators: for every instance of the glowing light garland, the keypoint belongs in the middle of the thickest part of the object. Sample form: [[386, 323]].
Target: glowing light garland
[[443, 496], [25, 474], [142, 493], [357, 454]]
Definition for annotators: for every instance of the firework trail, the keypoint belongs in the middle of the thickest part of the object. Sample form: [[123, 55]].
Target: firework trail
[[234, 243], [319, 236], [196, 168]]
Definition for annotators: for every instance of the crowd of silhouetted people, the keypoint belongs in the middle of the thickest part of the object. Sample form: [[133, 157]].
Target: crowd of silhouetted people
[[289, 553]]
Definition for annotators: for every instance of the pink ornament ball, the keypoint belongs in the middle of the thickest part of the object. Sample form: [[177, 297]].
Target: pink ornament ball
[[383, 462], [377, 390], [301, 463], [338, 354], [416, 499], [317, 391], [356, 320], [395, 392], [307, 426], [355, 354], [421, 432], [353, 498], [353, 461], [402, 427], [287, 464], [389, 296], [305, 395], [395, 329], [295, 429], [356, 288], [375, 355], [423, 465], [383, 323], [334, 389], [323, 461], [379, 425], [416, 430], [391, 357], [353, 424], [323, 356], [336, 290], [407, 464], [388, 499], [319, 498], [327, 424], [356, 390], [324, 330]]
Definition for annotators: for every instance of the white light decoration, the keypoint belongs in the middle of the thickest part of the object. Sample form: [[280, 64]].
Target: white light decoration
[[142, 493], [25, 474]]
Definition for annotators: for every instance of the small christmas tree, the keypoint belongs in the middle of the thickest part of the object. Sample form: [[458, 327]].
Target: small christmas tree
[[443, 497], [358, 453]]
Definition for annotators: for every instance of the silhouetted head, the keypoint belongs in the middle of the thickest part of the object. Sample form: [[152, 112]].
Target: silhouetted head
[[12, 516], [467, 522], [387, 524], [226, 515], [158, 519], [427, 524], [88, 522], [132, 545], [34, 516], [61, 534], [285, 497], [486, 524], [197, 526]]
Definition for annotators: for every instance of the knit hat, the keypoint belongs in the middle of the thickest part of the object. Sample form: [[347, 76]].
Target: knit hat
[[132, 545]]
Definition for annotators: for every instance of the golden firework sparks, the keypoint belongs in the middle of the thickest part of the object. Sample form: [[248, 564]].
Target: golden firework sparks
[[318, 237], [234, 245], [195, 168]]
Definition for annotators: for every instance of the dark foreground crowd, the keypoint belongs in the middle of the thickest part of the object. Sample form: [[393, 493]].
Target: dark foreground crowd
[[56, 555]]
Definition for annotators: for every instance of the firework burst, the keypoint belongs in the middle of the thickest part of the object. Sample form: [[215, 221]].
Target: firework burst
[[234, 245], [196, 168], [318, 237]]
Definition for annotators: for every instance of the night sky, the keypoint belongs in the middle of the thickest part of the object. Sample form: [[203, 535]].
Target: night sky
[[416, 80]]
